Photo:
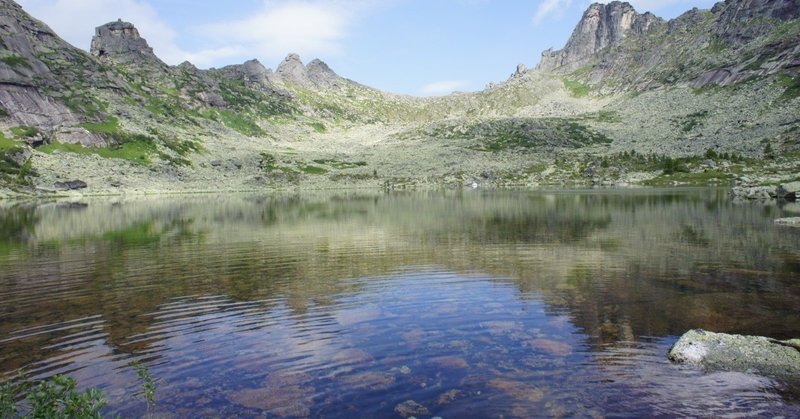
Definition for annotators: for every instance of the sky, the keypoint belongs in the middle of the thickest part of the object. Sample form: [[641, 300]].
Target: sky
[[415, 47]]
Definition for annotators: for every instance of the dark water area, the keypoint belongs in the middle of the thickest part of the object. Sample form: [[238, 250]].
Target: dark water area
[[351, 304]]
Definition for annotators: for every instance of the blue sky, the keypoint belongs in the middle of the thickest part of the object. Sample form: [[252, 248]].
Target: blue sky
[[417, 47]]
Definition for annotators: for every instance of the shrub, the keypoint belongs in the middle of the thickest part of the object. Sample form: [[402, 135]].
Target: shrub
[[56, 397]]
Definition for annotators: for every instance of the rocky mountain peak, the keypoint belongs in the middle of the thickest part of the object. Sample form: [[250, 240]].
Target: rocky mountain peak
[[121, 42], [292, 70], [602, 25], [320, 74]]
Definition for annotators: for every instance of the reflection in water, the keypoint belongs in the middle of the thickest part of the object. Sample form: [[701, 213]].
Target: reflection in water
[[470, 304]]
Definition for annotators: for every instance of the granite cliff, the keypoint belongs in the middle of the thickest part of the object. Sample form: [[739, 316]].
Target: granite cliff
[[615, 48]]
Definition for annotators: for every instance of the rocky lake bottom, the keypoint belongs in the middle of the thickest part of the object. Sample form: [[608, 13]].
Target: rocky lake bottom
[[452, 304]]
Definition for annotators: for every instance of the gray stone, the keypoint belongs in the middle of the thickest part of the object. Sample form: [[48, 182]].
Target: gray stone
[[410, 408], [292, 71], [321, 75], [754, 193], [70, 185], [724, 352], [601, 26], [121, 42]]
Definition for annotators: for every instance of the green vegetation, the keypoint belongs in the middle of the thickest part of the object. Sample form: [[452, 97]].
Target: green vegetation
[[134, 148], [8, 144], [53, 398], [341, 165], [149, 385], [769, 152], [3, 112], [12, 173], [15, 61], [109, 126], [791, 85], [236, 121], [691, 121], [313, 170], [24, 132], [141, 234], [576, 88], [318, 126]]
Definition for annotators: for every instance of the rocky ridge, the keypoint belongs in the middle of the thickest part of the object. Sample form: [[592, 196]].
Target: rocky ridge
[[617, 49]]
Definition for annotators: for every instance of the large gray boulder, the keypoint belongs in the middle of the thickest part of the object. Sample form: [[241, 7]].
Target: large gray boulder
[[724, 352]]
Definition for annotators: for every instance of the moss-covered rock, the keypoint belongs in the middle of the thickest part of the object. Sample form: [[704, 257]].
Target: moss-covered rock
[[724, 352]]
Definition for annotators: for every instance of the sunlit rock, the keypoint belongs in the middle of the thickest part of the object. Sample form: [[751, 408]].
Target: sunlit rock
[[723, 352]]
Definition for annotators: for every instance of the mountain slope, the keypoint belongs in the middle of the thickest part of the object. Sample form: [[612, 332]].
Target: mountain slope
[[630, 98]]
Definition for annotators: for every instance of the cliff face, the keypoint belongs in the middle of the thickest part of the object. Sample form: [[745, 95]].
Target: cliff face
[[121, 42], [38, 71], [600, 27], [616, 48]]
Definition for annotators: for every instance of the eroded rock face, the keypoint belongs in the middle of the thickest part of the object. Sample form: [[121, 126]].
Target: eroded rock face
[[292, 70], [320, 74], [724, 352], [121, 42], [601, 26]]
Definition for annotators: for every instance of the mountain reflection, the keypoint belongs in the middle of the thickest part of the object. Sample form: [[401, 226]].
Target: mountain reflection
[[617, 267]]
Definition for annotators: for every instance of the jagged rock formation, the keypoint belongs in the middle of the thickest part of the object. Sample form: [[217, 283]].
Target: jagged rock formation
[[292, 70], [600, 27], [615, 48], [120, 41], [321, 75]]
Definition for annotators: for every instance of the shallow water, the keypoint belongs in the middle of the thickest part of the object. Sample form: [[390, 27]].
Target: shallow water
[[471, 304]]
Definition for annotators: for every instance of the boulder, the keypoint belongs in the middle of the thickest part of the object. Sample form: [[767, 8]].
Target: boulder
[[723, 352], [70, 185], [759, 193], [787, 191]]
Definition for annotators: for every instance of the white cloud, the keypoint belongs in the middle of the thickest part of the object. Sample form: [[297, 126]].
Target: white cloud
[[553, 8], [309, 28], [75, 20], [442, 87]]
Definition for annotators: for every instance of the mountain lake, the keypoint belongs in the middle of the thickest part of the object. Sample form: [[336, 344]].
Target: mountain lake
[[349, 304]]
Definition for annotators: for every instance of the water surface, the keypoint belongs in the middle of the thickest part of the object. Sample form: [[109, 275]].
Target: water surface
[[471, 304]]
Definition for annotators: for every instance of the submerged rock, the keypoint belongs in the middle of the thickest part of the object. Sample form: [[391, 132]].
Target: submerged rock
[[724, 352], [410, 408]]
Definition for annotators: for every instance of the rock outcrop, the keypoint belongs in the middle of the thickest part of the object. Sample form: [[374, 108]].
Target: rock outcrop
[[291, 70], [724, 352], [36, 68], [600, 27], [120, 41], [316, 74], [618, 49], [321, 75], [744, 20]]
